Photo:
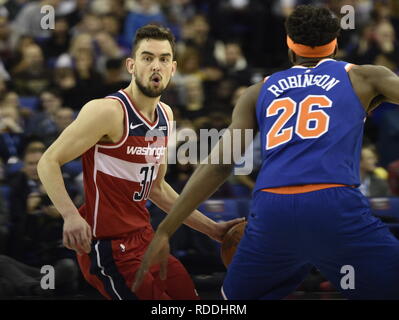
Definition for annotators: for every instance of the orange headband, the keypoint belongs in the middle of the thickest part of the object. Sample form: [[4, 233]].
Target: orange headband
[[312, 52]]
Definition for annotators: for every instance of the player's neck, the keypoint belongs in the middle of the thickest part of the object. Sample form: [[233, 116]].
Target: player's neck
[[308, 62], [145, 104]]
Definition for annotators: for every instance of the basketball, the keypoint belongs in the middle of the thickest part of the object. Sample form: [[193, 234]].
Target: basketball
[[230, 242]]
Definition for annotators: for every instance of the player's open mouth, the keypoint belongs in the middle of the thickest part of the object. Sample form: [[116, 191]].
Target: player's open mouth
[[155, 79]]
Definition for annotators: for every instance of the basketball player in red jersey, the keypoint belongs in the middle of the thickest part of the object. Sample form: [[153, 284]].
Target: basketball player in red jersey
[[123, 139], [307, 210]]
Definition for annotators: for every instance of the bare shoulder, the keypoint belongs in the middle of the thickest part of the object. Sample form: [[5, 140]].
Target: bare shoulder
[[369, 71], [249, 97], [244, 116], [253, 91], [106, 106], [103, 107]]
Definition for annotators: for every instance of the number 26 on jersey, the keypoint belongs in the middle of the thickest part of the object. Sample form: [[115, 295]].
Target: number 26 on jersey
[[311, 121]]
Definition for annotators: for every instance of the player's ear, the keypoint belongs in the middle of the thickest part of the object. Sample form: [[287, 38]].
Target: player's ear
[[130, 65], [174, 67], [335, 51]]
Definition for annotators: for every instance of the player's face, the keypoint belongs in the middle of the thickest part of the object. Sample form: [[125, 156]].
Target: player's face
[[153, 66]]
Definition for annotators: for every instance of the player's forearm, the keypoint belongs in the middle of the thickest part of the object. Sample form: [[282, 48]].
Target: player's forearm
[[164, 197], [51, 177], [202, 184]]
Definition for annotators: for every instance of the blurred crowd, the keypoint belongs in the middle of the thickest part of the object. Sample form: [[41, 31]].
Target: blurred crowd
[[224, 46]]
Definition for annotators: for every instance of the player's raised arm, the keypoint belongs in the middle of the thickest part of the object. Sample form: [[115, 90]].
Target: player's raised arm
[[383, 82], [202, 184], [96, 120]]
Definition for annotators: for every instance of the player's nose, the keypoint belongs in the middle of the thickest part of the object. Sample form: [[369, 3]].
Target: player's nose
[[156, 65]]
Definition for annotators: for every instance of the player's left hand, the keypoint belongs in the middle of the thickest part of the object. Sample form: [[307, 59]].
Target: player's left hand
[[157, 252], [222, 227]]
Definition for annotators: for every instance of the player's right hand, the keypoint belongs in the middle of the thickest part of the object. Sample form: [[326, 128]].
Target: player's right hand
[[157, 252], [77, 234]]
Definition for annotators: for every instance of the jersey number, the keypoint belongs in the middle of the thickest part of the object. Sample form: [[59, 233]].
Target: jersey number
[[306, 117], [145, 184]]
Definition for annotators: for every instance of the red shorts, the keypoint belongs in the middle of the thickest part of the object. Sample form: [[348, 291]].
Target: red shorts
[[111, 266]]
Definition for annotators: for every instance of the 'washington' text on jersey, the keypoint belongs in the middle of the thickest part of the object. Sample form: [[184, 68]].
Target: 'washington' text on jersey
[[146, 151]]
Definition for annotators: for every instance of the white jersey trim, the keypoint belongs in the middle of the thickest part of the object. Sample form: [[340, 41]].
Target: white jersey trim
[[97, 193], [223, 294], [138, 114], [103, 271], [165, 115]]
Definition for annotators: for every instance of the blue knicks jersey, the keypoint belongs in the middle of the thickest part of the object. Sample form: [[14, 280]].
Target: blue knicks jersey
[[311, 125]]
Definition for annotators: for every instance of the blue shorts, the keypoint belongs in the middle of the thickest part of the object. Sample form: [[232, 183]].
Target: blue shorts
[[329, 229]]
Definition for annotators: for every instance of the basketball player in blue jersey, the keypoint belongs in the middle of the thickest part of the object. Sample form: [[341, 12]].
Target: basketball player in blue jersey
[[306, 210]]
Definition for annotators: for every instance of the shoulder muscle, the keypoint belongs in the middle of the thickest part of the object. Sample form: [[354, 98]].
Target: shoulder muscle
[[96, 119]]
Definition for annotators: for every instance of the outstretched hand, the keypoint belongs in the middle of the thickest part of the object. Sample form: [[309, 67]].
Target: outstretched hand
[[157, 252]]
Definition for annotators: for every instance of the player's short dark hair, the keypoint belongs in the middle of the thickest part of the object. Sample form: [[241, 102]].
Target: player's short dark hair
[[312, 26], [156, 32]]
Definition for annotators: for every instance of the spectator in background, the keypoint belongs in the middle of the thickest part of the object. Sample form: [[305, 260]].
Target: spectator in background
[[194, 98], [26, 199], [372, 185], [21, 43], [387, 49], [177, 13], [28, 20], [81, 42], [13, 7], [59, 41], [188, 83], [89, 81], [63, 118], [11, 134], [196, 34], [6, 39], [66, 82], [36, 230], [107, 49], [114, 76], [42, 124], [112, 26], [141, 12], [235, 65], [30, 75], [76, 75], [11, 98], [377, 44], [76, 14], [90, 24], [221, 97]]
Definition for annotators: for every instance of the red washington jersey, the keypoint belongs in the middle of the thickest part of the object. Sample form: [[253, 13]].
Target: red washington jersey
[[118, 176]]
